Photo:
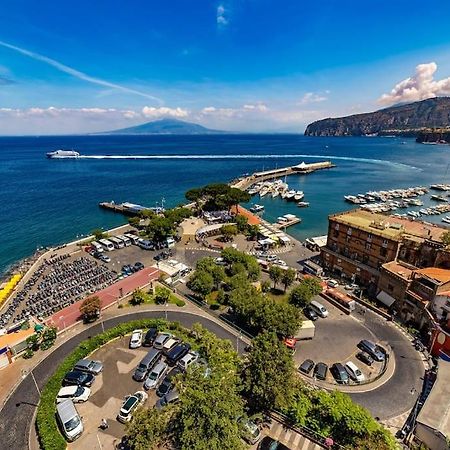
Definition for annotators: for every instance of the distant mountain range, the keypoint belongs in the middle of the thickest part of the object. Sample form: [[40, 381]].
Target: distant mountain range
[[166, 126], [426, 119]]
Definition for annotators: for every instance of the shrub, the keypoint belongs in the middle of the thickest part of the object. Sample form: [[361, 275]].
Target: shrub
[[180, 302], [28, 354]]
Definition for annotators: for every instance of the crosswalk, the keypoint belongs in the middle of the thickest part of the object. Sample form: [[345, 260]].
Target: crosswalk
[[292, 439]]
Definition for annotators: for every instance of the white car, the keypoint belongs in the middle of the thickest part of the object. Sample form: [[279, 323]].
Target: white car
[[170, 344], [77, 394], [136, 339], [187, 360], [130, 403], [354, 373], [332, 283], [271, 258]]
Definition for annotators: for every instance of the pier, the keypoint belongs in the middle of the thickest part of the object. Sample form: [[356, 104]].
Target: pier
[[128, 209], [289, 223], [301, 169]]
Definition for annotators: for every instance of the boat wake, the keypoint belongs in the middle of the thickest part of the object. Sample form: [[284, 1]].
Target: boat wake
[[255, 156]]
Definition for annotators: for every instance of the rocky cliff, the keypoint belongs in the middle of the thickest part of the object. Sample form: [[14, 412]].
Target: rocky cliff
[[408, 119]]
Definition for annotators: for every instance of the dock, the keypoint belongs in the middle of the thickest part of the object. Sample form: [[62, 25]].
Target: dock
[[289, 223], [300, 169], [128, 209]]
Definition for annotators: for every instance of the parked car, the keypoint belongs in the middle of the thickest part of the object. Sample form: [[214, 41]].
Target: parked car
[[339, 373], [69, 420], [320, 371], [354, 373], [374, 350], [310, 314], [220, 261], [104, 258], [138, 266], [167, 383], [306, 366], [89, 365], [269, 443], [171, 397], [150, 337], [77, 394], [161, 339], [136, 339], [78, 378], [185, 362], [365, 358], [249, 430], [176, 353], [332, 283], [170, 344], [155, 375], [127, 269], [130, 403], [146, 364]]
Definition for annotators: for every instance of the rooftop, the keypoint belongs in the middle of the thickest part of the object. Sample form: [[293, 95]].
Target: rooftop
[[441, 275], [399, 269], [11, 339], [253, 219]]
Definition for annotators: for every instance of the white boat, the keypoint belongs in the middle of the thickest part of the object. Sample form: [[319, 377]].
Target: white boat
[[257, 208], [446, 219], [303, 204], [61, 154], [290, 195], [298, 196], [275, 192]]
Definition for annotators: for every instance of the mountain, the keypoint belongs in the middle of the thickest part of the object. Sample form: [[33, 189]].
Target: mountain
[[405, 119], [165, 126]]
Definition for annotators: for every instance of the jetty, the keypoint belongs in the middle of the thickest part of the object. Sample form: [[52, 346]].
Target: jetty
[[128, 209], [300, 169]]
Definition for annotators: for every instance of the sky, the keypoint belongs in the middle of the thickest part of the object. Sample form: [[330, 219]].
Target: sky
[[240, 65]]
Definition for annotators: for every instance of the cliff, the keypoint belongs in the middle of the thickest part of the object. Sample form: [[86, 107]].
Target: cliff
[[407, 120], [439, 136]]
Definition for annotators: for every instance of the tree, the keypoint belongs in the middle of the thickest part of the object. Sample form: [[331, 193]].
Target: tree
[[275, 273], [162, 296], [241, 223], [268, 376], [446, 238], [99, 234], [90, 308], [138, 297], [134, 221], [288, 277], [160, 228], [201, 282], [304, 292], [228, 231], [252, 232]]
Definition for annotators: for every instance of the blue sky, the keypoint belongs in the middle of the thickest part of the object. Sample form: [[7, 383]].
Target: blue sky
[[257, 65]]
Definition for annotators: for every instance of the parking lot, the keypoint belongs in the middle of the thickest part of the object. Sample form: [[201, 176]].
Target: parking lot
[[335, 340]]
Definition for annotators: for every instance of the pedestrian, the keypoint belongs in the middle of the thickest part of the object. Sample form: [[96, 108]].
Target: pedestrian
[[104, 424]]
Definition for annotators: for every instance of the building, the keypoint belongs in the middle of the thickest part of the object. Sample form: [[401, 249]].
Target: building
[[360, 243]]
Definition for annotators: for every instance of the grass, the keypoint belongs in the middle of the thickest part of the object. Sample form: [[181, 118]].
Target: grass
[[278, 295]]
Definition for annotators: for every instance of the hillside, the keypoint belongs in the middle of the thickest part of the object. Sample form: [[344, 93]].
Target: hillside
[[165, 126], [407, 119]]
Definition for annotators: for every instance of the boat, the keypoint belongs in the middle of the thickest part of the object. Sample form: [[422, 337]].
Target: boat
[[303, 204], [446, 219], [290, 195], [61, 154], [257, 208], [439, 198], [298, 196]]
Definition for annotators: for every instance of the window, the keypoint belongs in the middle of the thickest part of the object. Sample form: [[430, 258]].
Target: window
[[390, 287], [368, 245], [385, 243], [336, 226], [369, 237], [349, 231], [383, 251], [336, 233]]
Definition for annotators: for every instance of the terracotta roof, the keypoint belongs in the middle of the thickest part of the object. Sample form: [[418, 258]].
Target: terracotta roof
[[442, 275], [398, 269], [252, 218], [11, 339]]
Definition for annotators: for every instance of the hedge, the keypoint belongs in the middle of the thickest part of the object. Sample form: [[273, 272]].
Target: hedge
[[48, 432]]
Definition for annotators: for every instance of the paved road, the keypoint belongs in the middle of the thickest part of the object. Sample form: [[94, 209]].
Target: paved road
[[17, 414], [394, 397]]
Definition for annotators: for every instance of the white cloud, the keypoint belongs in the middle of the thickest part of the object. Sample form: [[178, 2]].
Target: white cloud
[[245, 110], [155, 113], [420, 86], [221, 16], [76, 73], [313, 97]]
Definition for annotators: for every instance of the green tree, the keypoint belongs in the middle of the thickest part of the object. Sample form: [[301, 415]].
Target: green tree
[[252, 232], [201, 282], [288, 277], [90, 308], [160, 228], [446, 238], [281, 318], [241, 223], [99, 234], [134, 221], [268, 376], [162, 296], [228, 232], [275, 274], [138, 297], [302, 294]]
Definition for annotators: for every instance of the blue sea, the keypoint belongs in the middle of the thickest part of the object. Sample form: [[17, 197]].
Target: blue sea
[[46, 202]]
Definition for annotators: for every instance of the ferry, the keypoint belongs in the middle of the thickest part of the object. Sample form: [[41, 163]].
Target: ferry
[[61, 154]]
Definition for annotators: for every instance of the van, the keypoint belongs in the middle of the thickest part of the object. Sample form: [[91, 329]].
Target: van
[[97, 247], [354, 373], [146, 244], [69, 420], [107, 245], [133, 238], [126, 241], [319, 308], [118, 243], [147, 363], [375, 351]]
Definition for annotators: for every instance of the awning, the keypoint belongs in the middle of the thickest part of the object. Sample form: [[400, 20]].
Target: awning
[[385, 298]]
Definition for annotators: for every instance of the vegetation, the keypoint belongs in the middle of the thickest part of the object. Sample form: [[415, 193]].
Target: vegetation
[[275, 273], [162, 226], [302, 294], [90, 308], [99, 234], [138, 297], [42, 340], [288, 277], [161, 296], [228, 232], [268, 376], [446, 238]]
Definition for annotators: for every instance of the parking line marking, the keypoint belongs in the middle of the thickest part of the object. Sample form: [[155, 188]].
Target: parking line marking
[[296, 441]]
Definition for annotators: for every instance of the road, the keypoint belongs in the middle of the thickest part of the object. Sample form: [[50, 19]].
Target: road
[[16, 417]]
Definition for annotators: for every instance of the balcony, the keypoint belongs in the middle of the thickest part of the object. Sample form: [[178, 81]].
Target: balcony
[[354, 262]]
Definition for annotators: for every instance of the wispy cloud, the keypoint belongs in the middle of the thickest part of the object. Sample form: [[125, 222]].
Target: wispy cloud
[[155, 113], [221, 16], [313, 97], [76, 73], [420, 86]]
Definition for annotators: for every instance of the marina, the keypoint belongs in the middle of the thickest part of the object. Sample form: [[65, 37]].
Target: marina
[[129, 209]]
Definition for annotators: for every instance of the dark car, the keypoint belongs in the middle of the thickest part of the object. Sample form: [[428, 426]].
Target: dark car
[[306, 366], [171, 397], [310, 314], [96, 254], [271, 444], [78, 378], [176, 353], [157, 257], [320, 371], [339, 373], [127, 269], [365, 358], [150, 337], [138, 266], [167, 384], [374, 350]]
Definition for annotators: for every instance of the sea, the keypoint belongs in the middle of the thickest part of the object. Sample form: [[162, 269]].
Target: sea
[[45, 202]]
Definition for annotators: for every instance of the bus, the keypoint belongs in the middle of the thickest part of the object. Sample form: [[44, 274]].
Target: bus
[[312, 268], [107, 245], [118, 243]]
